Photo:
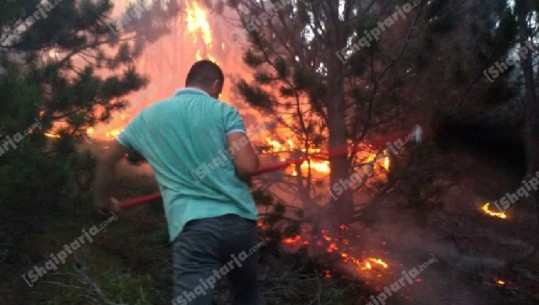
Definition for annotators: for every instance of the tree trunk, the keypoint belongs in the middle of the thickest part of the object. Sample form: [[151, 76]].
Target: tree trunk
[[531, 102], [341, 203], [531, 132]]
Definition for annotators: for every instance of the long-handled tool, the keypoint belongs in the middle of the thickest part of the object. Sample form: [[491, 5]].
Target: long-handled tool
[[156, 196], [335, 152]]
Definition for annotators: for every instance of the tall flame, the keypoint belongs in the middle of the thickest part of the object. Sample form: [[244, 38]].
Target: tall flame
[[198, 25], [197, 22]]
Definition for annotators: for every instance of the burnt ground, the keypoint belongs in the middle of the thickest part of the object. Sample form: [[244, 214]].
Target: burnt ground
[[435, 208]]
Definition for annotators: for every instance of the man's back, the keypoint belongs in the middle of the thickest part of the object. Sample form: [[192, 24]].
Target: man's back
[[198, 149], [184, 139]]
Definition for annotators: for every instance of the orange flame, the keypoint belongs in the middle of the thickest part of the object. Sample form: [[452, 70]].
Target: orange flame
[[318, 166], [51, 135], [113, 133], [379, 262], [197, 22], [198, 25], [387, 163], [488, 211], [362, 265], [292, 240]]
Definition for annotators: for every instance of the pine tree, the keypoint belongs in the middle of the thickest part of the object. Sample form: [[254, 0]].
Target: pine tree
[[65, 66]]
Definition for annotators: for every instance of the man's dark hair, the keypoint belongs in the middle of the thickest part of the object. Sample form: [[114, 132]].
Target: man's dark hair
[[204, 72]]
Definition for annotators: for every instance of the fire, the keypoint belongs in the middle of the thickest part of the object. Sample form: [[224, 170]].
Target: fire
[[276, 146], [196, 32], [113, 133], [51, 135], [359, 264], [332, 248], [386, 163], [500, 282], [488, 211], [197, 22], [292, 240], [326, 274], [379, 262], [319, 166], [198, 25], [366, 265], [317, 163]]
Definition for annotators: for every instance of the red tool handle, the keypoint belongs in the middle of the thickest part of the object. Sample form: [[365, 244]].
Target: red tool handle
[[335, 152], [156, 196], [139, 200]]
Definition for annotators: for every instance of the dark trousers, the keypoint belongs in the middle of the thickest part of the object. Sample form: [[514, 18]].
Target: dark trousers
[[210, 249]]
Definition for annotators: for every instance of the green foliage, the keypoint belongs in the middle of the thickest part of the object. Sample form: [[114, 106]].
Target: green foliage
[[260, 98], [302, 79], [281, 67], [263, 78], [125, 287], [65, 73], [252, 59]]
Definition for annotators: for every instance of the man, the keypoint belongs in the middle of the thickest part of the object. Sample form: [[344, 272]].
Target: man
[[201, 156]]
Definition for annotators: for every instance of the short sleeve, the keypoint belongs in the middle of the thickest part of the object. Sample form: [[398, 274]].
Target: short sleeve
[[233, 121], [127, 137]]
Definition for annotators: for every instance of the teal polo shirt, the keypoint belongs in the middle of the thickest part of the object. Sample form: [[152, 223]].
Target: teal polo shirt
[[184, 139]]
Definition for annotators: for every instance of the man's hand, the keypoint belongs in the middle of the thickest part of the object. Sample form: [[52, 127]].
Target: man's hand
[[106, 207], [245, 158], [104, 177]]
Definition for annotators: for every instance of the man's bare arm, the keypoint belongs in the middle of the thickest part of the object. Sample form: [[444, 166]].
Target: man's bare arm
[[245, 158], [104, 176]]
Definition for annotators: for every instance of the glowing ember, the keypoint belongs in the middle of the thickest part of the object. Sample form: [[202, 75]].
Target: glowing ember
[[488, 211], [332, 248], [292, 240], [365, 264], [326, 274], [500, 282], [51, 135], [378, 262]]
